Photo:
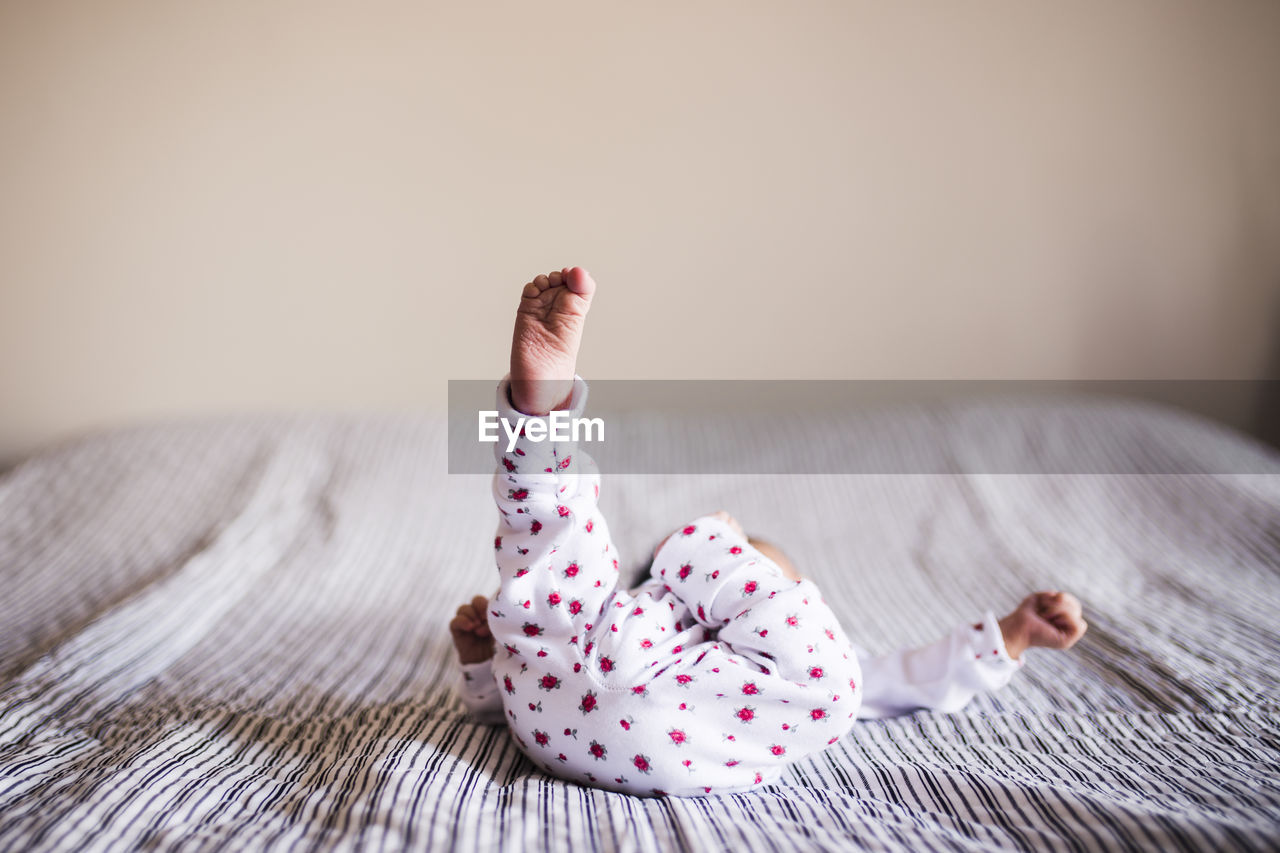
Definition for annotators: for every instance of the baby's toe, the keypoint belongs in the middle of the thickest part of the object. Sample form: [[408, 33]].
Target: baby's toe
[[580, 281]]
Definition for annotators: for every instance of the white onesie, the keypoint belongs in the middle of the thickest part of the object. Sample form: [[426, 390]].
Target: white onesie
[[711, 677]]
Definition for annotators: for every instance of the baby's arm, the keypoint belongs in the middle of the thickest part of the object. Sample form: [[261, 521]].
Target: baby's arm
[[474, 644], [946, 675]]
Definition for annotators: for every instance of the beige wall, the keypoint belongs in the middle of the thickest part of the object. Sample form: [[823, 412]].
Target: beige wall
[[228, 206]]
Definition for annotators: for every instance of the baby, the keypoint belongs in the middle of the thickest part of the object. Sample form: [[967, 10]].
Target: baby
[[723, 666]]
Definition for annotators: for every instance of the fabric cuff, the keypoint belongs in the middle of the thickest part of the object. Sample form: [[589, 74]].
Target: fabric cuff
[[987, 643], [477, 673], [545, 454]]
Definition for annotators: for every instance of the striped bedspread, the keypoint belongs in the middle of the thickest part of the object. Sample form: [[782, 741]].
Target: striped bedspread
[[231, 634]]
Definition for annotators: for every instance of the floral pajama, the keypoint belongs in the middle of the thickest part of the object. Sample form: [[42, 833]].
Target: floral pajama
[[711, 677]]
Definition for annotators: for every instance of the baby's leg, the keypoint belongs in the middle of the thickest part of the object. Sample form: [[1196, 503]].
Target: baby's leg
[[556, 561], [782, 680], [780, 624]]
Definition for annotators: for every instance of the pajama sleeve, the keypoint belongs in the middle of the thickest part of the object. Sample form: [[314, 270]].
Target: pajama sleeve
[[943, 676], [479, 692]]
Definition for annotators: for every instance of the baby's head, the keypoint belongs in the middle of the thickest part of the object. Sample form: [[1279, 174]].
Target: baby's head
[[773, 552]]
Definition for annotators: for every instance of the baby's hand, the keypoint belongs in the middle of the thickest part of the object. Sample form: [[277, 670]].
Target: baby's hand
[[470, 629], [1051, 620]]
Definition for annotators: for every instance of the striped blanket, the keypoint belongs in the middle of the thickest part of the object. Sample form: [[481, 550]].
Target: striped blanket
[[232, 634]]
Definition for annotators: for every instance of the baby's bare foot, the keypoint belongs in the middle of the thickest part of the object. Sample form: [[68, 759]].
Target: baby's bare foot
[[544, 347]]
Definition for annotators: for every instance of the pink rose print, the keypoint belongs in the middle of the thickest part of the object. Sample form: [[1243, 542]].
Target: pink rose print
[[606, 664], [521, 572], [571, 570], [508, 464], [702, 614], [677, 737], [777, 749], [750, 688], [626, 724], [562, 511], [507, 685], [597, 750], [684, 680], [852, 686], [541, 737], [575, 607], [535, 528], [553, 598], [750, 587], [520, 452], [759, 779], [733, 763], [517, 494], [564, 463], [639, 690], [549, 682], [735, 550], [833, 740], [497, 543], [531, 630], [792, 621], [816, 672], [642, 763], [817, 714], [685, 571], [588, 703], [646, 643], [746, 714], [688, 531], [591, 525], [830, 635]]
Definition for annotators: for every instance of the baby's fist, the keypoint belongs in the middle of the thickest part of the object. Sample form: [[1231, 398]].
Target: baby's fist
[[470, 630], [1051, 620]]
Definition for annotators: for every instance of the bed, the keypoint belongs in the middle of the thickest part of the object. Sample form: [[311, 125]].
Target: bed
[[230, 634]]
